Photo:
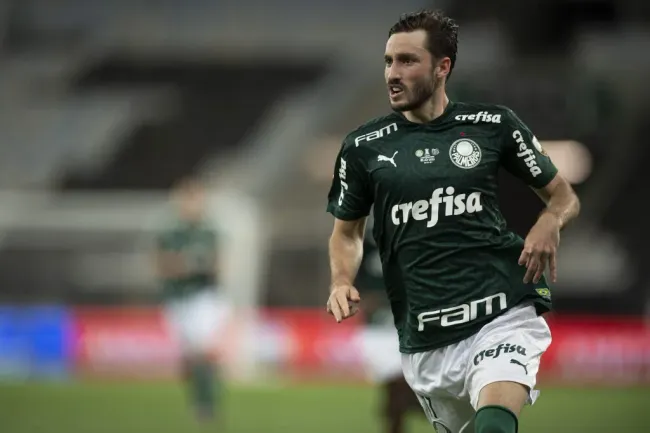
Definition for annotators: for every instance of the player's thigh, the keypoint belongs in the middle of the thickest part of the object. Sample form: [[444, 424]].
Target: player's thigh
[[216, 311], [438, 379], [506, 359], [448, 414], [204, 317], [511, 395]]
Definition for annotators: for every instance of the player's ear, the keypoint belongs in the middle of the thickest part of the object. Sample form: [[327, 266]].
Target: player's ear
[[442, 68]]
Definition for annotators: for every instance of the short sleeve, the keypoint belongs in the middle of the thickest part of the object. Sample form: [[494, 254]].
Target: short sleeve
[[523, 155], [350, 196]]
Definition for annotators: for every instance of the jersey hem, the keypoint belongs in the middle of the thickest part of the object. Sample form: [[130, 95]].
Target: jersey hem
[[541, 306], [546, 181], [344, 215], [171, 295]]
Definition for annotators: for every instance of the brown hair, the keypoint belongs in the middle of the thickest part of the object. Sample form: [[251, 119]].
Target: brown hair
[[442, 32]]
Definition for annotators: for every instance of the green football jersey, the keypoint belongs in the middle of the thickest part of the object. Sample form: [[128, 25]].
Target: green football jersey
[[370, 281], [197, 244], [370, 276], [449, 262]]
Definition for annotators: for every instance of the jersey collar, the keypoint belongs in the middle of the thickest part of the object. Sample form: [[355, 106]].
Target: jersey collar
[[445, 114]]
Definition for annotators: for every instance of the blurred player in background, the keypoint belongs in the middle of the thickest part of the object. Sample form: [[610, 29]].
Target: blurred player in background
[[467, 294], [379, 337], [186, 261]]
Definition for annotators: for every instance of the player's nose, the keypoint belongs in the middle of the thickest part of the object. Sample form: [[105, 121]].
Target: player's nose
[[393, 75]]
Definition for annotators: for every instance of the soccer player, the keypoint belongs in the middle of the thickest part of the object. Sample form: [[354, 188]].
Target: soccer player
[[186, 262], [379, 337], [466, 294]]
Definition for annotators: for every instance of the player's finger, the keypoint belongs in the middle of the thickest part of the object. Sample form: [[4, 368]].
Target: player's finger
[[354, 295], [531, 268], [524, 257], [541, 268], [553, 267], [342, 301], [335, 310]]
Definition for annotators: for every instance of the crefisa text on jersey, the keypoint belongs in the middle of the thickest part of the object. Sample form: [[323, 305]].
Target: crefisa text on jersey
[[344, 185], [481, 116], [527, 154], [454, 204]]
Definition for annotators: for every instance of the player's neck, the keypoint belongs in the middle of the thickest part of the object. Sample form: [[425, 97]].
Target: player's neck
[[430, 110]]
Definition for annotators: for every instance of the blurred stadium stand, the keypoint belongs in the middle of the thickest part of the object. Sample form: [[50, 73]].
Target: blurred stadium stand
[[104, 104]]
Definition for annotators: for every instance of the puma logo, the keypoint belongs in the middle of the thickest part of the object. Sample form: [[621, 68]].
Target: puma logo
[[385, 158], [514, 361]]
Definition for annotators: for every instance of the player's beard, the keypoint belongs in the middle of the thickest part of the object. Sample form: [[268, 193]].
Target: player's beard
[[418, 94]]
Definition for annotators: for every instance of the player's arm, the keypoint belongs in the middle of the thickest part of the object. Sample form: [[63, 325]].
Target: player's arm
[[168, 262], [523, 156], [346, 250], [540, 248], [210, 263], [349, 200], [562, 203]]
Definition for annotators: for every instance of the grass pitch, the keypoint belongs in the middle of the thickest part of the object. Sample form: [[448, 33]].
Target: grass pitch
[[94, 407]]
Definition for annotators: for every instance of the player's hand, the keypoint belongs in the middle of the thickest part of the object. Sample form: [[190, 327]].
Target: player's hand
[[540, 249], [343, 302]]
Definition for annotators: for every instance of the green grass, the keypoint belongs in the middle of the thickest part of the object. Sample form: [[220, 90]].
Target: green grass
[[160, 408]]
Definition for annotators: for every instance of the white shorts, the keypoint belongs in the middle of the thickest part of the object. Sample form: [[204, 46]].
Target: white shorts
[[196, 321], [448, 380], [379, 345]]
